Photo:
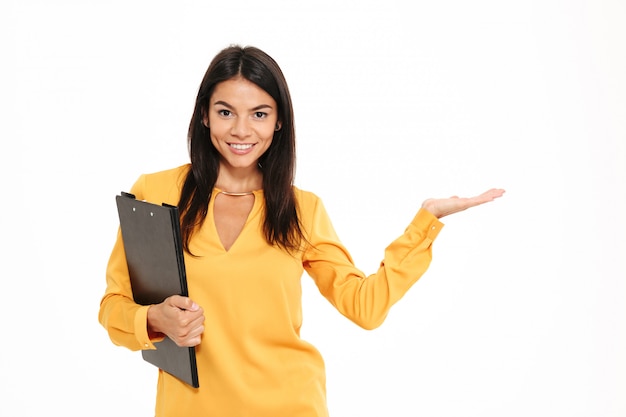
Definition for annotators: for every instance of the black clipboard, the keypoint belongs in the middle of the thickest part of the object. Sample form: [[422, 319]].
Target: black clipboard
[[154, 254]]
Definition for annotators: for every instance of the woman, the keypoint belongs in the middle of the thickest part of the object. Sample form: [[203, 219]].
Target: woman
[[249, 235]]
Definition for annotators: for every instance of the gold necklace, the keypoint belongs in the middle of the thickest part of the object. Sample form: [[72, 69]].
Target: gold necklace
[[236, 194]]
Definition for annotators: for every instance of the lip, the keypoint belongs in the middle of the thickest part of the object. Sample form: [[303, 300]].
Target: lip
[[241, 148]]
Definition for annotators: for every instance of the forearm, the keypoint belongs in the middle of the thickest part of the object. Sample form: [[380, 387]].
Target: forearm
[[366, 300], [126, 322]]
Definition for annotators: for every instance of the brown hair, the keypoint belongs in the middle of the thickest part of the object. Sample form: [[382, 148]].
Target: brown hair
[[281, 224]]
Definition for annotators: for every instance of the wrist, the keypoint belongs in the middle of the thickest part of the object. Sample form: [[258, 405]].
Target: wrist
[[429, 206], [151, 319]]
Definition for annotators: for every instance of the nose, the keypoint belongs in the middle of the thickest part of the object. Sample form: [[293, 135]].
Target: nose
[[240, 127]]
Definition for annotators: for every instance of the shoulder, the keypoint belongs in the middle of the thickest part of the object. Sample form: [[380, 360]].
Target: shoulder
[[305, 198], [161, 186], [313, 217], [310, 205], [167, 176]]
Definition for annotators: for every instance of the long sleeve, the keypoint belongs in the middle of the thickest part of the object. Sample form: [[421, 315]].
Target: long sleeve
[[125, 320], [366, 300], [251, 295]]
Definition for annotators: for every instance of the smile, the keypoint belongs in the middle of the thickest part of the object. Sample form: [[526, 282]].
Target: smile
[[241, 146]]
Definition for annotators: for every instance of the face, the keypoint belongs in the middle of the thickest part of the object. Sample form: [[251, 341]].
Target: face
[[242, 118]]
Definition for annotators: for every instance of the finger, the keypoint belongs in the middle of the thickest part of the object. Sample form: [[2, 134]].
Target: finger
[[193, 338], [490, 194], [183, 303], [186, 329], [192, 321], [495, 192], [196, 332], [188, 342]]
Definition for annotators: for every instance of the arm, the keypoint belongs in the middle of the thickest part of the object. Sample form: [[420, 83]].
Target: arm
[[124, 320], [366, 300], [136, 326]]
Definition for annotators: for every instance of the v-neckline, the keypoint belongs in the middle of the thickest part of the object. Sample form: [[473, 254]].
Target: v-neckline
[[257, 194]]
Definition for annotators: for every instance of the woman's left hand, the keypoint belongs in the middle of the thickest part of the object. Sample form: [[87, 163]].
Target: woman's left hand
[[441, 207]]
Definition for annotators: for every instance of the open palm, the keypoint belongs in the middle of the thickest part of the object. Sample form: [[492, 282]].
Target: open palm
[[441, 207]]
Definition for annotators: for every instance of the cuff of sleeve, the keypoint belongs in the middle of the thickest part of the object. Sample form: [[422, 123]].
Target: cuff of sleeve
[[141, 329], [427, 224]]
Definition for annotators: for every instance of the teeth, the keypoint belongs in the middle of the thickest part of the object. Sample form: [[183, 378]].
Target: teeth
[[241, 146]]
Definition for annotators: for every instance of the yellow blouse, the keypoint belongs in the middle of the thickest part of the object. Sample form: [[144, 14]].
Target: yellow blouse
[[252, 361]]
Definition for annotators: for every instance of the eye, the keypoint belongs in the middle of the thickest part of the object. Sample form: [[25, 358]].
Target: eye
[[260, 115], [224, 112]]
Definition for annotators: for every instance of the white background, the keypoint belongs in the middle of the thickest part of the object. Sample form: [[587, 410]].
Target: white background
[[523, 309]]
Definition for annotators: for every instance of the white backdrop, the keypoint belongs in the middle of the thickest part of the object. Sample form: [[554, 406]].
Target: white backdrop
[[523, 309]]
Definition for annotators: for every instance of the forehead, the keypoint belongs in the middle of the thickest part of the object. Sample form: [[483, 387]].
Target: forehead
[[240, 91]]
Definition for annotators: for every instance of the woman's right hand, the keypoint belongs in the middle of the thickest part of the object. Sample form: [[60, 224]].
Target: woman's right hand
[[179, 318]]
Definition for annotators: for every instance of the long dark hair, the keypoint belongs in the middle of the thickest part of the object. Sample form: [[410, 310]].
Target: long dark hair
[[281, 225]]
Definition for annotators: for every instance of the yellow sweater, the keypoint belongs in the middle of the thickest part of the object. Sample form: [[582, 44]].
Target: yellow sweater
[[252, 361]]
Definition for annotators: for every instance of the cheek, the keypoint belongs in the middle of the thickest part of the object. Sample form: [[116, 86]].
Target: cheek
[[218, 129], [214, 137], [267, 134]]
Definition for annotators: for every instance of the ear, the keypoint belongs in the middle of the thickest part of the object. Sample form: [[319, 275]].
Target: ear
[[279, 125], [204, 112]]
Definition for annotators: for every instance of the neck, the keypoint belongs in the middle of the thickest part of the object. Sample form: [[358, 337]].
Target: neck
[[238, 182]]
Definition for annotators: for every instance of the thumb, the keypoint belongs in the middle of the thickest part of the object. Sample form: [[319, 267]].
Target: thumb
[[184, 303]]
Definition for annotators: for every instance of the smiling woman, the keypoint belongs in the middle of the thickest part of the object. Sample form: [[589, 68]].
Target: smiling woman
[[249, 235], [242, 119]]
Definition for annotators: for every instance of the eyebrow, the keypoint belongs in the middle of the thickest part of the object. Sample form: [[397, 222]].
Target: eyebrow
[[259, 107]]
